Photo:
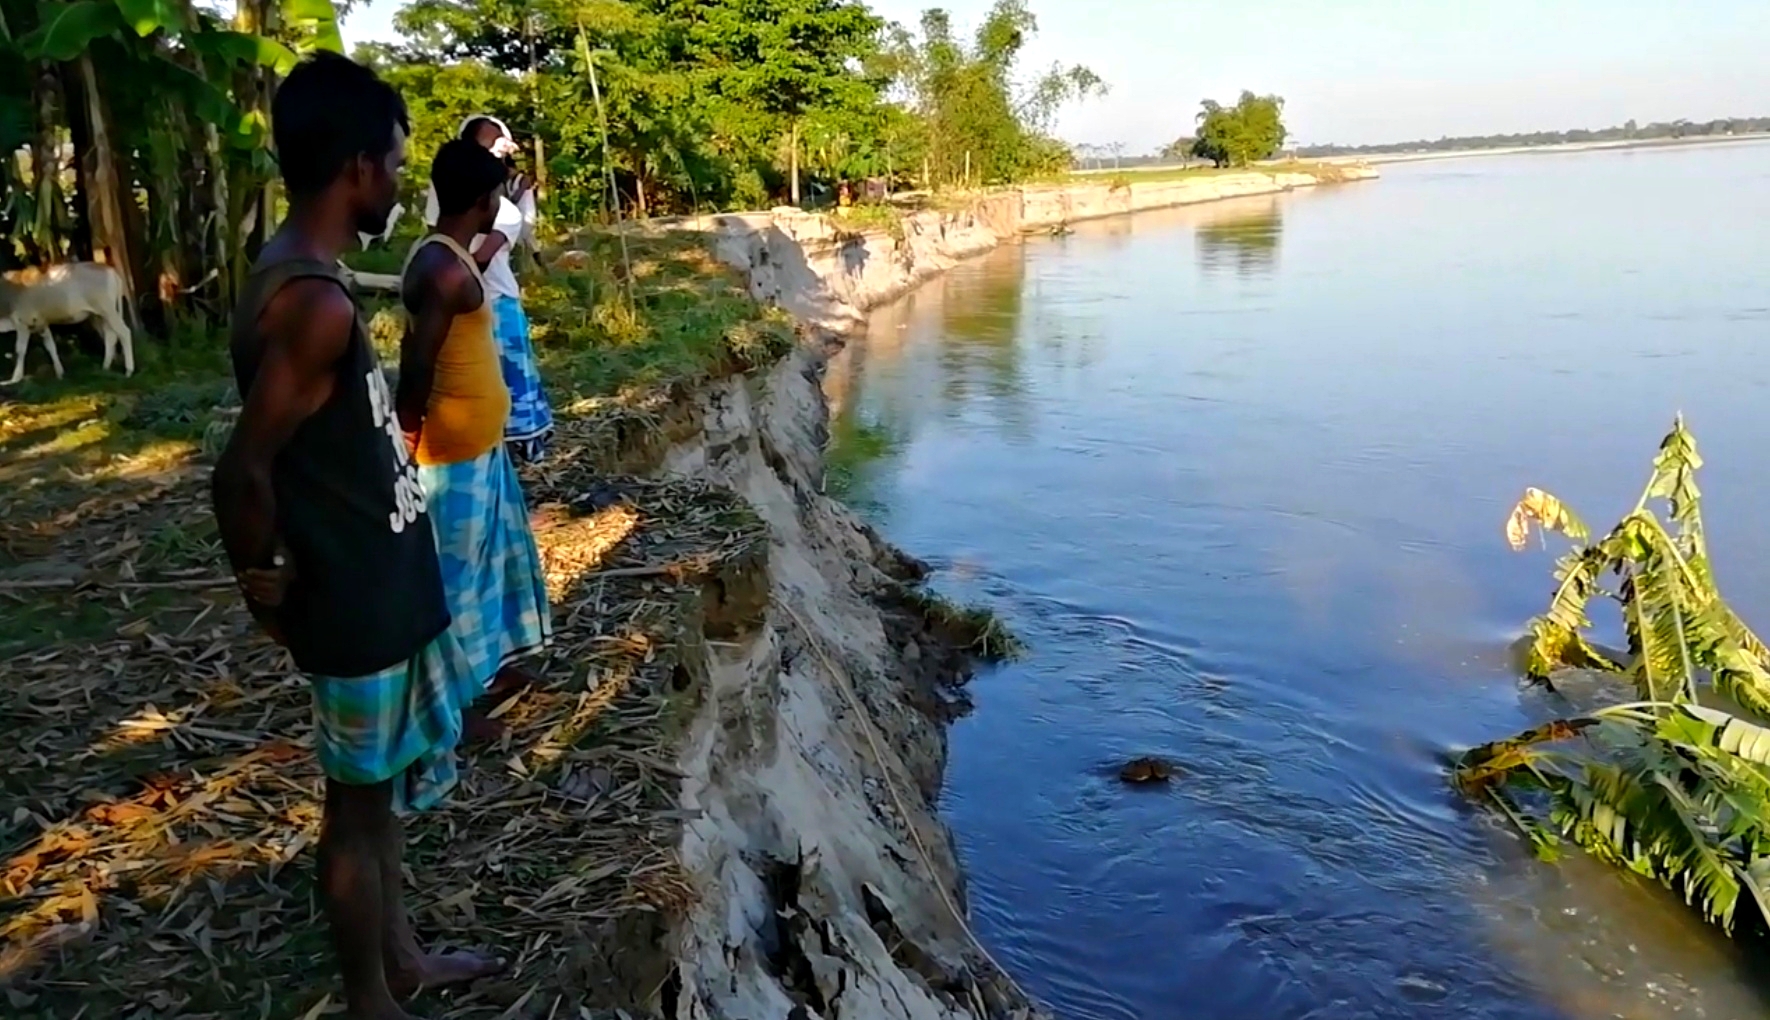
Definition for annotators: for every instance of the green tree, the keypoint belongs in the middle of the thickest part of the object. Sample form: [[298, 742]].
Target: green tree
[[980, 128], [165, 105], [1251, 130], [705, 98], [762, 67]]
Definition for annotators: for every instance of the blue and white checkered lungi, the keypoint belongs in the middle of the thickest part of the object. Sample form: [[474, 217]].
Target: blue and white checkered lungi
[[402, 724], [531, 417], [490, 566]]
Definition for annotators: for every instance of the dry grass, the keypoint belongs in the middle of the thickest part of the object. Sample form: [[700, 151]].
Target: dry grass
[[162, 793]]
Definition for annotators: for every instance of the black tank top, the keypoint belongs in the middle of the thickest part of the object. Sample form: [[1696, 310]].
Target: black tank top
[[368, 591]]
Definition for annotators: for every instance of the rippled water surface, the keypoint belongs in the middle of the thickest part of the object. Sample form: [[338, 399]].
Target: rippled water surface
[[1238, 474]]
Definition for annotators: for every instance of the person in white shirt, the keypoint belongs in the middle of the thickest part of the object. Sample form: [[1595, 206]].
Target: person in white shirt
[[531, 417]]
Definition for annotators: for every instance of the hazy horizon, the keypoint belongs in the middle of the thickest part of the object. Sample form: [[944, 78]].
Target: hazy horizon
[[1375, 71]]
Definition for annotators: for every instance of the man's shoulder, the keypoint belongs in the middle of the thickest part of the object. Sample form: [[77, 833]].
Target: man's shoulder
[[309, 315], [313, 303], [438, 266], [438, 272]]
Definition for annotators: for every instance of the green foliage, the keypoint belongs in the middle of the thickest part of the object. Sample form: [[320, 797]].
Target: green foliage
[[689, 318], [1251, 130], [1675, 786], [702, 97], [67, 30], [1178, 150], [166, 101], [979, 129]]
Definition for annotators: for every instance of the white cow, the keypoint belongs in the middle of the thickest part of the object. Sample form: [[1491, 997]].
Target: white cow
[[61, 296]]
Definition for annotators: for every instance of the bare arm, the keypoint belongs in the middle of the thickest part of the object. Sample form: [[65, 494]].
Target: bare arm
[[437, 288], [489, 248], [306, 329], [507, 229]]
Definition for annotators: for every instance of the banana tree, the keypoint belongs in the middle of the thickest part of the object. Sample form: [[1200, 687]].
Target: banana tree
[[1674, 785], [168, 102]]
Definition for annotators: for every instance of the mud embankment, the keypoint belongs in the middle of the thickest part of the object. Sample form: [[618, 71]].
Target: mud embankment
[[828, 274]]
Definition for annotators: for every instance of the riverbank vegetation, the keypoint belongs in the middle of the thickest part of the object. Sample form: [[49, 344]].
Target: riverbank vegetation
[[1666, 768]]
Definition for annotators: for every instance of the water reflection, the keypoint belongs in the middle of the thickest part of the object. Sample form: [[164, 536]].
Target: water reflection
[[980, 370], [1240, 238]]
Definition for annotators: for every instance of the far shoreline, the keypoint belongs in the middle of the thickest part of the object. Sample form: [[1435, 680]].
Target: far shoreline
[[1523, 150]]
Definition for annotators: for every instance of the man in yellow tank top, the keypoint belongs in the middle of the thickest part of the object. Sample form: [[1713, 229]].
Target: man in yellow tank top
[[452, 404]]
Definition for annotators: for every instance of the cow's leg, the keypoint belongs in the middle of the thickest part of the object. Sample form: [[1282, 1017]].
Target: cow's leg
[[126, 339], [18, 368], [117, 340], [54, 357]]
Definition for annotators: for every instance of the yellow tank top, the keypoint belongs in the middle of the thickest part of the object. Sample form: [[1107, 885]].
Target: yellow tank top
[[469, 402]]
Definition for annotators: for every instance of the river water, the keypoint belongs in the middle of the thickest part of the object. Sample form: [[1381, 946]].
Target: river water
[[1238, 475]]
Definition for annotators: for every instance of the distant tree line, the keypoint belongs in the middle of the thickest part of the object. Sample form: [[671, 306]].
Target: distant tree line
[[1629, 131]]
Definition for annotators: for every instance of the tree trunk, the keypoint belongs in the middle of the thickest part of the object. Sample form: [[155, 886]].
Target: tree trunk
[[793, 161], [540, 171], [80, 236], [639, 193], [104, 196], [255, 197], [41, 236], [220, 229]]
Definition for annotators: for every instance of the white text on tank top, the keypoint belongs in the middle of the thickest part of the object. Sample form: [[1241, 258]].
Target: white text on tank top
[[408, 491]]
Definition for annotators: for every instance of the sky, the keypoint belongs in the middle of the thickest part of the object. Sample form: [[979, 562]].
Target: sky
[[1362, 71]]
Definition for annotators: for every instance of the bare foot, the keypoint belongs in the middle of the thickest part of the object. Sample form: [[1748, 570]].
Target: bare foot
[[510, 680], [438, 970], [479, 728]]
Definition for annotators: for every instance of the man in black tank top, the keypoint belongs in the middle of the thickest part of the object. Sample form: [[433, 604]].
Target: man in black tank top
[[323, 518]]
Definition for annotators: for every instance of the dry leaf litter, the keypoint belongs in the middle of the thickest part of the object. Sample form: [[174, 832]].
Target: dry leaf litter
[[160, 796]]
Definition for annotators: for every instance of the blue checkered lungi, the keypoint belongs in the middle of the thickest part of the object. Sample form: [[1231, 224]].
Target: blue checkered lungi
[[490, 566], [530, 425], [402, 724]]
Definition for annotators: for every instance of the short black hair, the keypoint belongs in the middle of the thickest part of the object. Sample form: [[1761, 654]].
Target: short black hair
[[463, 173], [328, 111]]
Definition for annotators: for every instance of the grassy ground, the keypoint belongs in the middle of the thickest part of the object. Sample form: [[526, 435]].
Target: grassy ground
[[155, 848]]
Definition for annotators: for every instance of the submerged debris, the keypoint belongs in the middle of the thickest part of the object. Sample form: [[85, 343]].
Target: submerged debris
[[1147, 770], [1666, 774]]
